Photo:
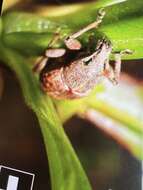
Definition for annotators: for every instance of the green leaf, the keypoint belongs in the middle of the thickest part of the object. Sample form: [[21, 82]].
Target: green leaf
[[122, 25], [65, 168]]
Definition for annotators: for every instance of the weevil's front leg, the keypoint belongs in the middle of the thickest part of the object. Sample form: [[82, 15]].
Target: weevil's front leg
[[100, 16], [71, 41]]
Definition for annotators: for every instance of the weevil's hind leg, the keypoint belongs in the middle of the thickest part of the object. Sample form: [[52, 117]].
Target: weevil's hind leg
[[41, 63], [71, 41]]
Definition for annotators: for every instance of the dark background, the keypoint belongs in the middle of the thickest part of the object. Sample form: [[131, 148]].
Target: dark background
[[107, 164]]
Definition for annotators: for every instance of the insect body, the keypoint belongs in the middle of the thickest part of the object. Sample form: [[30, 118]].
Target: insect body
[[63, 77], [77, 78]]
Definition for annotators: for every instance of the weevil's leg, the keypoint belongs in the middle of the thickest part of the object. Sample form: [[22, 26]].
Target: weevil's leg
[[55, 53], [71, 41], [117, 69], [114, 74], [72, 44], [109, 72], [49, 53], [95, 24], [107, 65], [41, 63], [55, 38]]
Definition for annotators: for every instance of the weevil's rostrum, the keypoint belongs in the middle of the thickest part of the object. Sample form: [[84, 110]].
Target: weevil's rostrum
[[74, 71]]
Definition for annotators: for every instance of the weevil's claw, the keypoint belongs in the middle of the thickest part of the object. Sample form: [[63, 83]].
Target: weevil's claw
[[123, 52], [110, 75], [114, 81], [101, 14], [126, 51]]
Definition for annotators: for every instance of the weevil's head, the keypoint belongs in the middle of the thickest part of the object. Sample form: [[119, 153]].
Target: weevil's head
[[98, 53]]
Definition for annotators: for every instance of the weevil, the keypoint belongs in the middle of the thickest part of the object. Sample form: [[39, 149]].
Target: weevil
[[65, 77]]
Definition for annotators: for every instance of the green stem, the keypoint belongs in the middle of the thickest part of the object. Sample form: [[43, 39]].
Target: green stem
[[65, 168]]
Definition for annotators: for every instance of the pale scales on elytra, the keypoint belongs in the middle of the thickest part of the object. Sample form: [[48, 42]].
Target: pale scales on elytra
[[72, 73]]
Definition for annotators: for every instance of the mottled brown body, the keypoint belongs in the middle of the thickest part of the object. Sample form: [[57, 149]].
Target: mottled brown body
[[77, 78]]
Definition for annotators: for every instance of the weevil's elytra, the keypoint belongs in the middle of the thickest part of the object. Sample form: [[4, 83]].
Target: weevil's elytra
[[87, 70], [74, 71]]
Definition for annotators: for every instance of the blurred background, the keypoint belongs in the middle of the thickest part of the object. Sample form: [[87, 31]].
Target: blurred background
[[108, 165]]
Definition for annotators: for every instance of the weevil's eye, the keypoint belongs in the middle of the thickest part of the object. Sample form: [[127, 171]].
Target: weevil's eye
[[86, 62]]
